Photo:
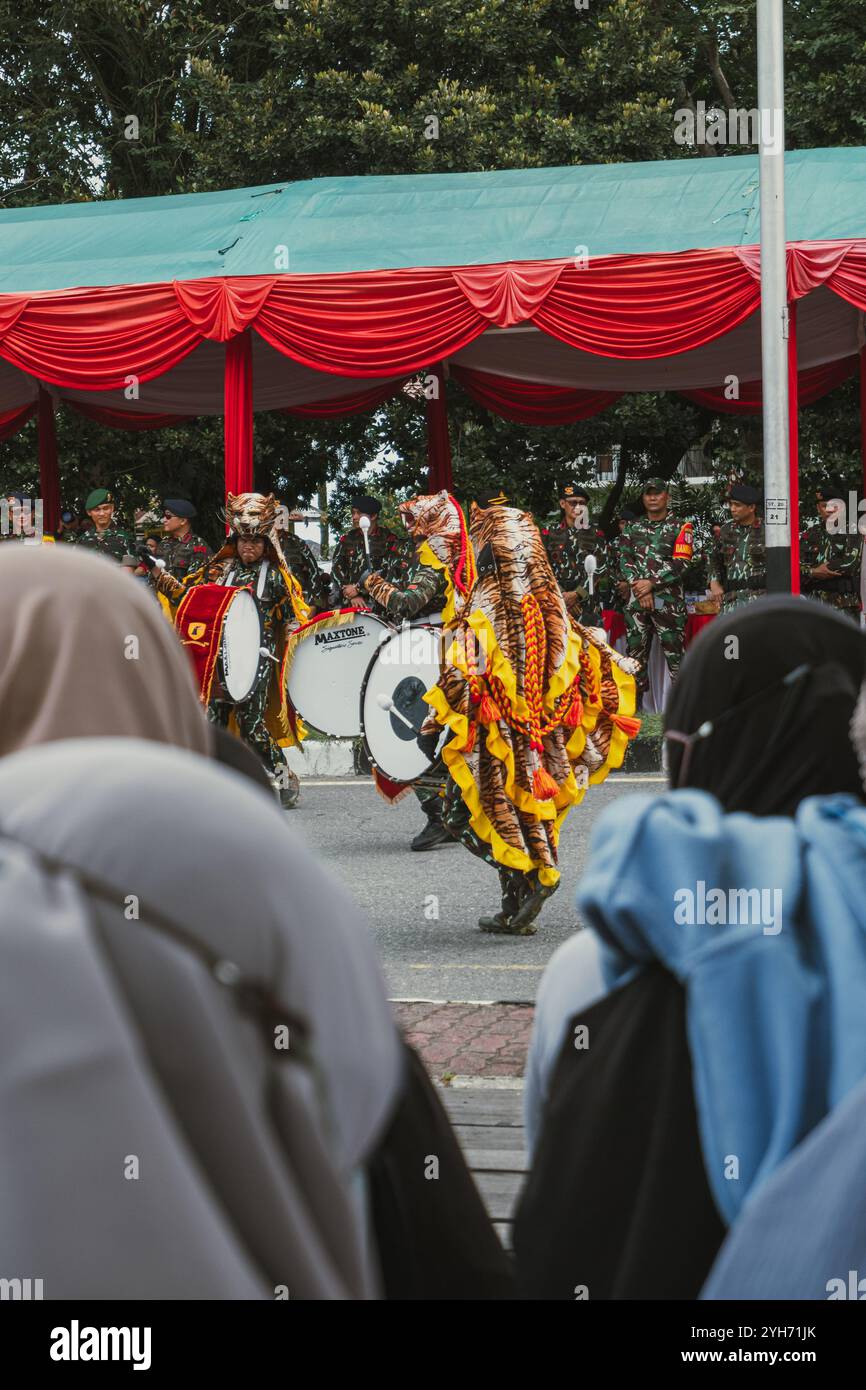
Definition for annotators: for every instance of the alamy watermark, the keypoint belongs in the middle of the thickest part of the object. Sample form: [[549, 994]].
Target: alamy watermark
[[733, 907], [22, 519], [699, 125]]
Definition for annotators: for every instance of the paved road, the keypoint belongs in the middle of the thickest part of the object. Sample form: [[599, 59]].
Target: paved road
[[424, 908]]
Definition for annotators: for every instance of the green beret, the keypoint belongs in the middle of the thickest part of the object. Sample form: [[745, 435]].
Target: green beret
[[97, 497]]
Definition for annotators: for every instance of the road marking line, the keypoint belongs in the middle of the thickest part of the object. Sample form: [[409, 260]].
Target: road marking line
[[436, 965], [480, 1083], [486, 1003]]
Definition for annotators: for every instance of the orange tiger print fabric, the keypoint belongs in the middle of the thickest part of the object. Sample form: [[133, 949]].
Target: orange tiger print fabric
[[539, 707]]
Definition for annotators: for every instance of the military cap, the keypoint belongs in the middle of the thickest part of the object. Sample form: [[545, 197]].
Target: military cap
[[833, 487], [491, 497], [656, 485], [368, 506], [178, 506], [572, 490], [744, 492], [96, 498]]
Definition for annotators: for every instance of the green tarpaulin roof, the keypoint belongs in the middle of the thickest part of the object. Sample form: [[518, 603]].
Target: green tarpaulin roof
[[334, 225]]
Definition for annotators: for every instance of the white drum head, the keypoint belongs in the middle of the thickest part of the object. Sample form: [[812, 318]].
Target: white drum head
[[240, 655], [405, 667], [328, 668]]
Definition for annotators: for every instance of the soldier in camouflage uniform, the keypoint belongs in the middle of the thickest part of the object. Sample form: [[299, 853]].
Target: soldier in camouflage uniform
[[830, 555], [239, 564], [182, 551], [388, 555], [567, 546], [105, 538], [738, 565], [19, 520], [653, 552], [418, 591]]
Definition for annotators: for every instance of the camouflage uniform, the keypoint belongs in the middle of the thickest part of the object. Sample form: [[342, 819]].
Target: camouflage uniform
[[838, 550], [275, 607], [387, 557], [567, 548], [738, 562], [418, 592], [302, 562], [184, 554], [114, 542], [647, 551]]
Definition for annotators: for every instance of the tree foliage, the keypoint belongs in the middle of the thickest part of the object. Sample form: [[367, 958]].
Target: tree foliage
[[231, 93]]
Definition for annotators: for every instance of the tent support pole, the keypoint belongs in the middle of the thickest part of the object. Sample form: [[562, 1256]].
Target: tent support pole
[[863, 414], [794, 446], [778, 517], [238, 413]]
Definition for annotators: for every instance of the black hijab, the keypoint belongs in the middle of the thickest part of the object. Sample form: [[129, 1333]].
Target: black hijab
[[774, 740]]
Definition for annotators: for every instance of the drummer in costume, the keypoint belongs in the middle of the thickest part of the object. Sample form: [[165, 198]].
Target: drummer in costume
[[536, 707], [351, 560], [252, 557], [105, 538], [429, 586]]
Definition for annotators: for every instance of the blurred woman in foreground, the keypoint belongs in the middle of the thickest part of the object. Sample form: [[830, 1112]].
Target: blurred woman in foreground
[[713, 1013]]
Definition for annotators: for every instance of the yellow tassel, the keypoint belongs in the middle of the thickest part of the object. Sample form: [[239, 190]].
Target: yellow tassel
[[543, 786], [488, 711]]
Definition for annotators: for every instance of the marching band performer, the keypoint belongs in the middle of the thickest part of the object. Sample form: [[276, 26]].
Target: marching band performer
[[252, 557]]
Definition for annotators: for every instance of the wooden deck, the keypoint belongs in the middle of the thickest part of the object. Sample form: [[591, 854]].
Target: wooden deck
[[489, 1126]]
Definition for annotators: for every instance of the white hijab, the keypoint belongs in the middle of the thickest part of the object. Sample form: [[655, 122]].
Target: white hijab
[[155, 1142]]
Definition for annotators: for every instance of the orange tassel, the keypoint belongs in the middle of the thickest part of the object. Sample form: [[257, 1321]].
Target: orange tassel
[[488, 711], [574, 713], [543, 786], [626, 723], [470, 739]]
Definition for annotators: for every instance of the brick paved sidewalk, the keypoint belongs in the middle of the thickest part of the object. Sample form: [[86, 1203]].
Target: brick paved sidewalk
[[478, 1040]]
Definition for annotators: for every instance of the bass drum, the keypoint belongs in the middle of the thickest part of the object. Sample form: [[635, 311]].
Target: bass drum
[[241, 659], [328, 668], [393, 710]]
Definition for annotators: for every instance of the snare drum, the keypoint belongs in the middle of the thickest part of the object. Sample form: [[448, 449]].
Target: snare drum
[[393, 710], [328, 667]]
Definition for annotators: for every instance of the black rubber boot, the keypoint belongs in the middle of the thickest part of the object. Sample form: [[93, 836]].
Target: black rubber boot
[[533, 902], [513, 891], [432, 836]]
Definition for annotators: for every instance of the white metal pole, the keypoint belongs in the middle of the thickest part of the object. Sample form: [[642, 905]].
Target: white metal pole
[[774, 296]]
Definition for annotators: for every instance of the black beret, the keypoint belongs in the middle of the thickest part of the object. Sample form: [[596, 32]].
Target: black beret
[[491, 497], [833, 487], [656, 484], [572, 490], [744, 492], [20, 497], [627, 514], [179, 506], [368, 506]]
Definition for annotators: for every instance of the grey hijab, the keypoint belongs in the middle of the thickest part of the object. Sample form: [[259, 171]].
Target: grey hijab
[[155, 1139]]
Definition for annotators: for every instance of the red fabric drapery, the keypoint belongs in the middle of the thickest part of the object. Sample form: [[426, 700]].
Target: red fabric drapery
[[353, 404], [438, 442], [239, 414], [530, 402], [794, 446], [11, 421], [126, 419], [49, 474], [813, 383]]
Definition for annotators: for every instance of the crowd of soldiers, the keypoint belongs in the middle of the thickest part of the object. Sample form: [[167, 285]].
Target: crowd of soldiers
[[641, 580]]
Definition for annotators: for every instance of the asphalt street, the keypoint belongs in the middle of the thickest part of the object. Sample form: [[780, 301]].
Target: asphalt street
[[424, 908]]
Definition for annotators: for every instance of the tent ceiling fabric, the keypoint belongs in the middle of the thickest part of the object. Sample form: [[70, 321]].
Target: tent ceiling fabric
[[335, 225], [610, 278]]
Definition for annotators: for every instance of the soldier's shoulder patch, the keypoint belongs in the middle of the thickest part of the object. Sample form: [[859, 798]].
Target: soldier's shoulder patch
[[684, 543]]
